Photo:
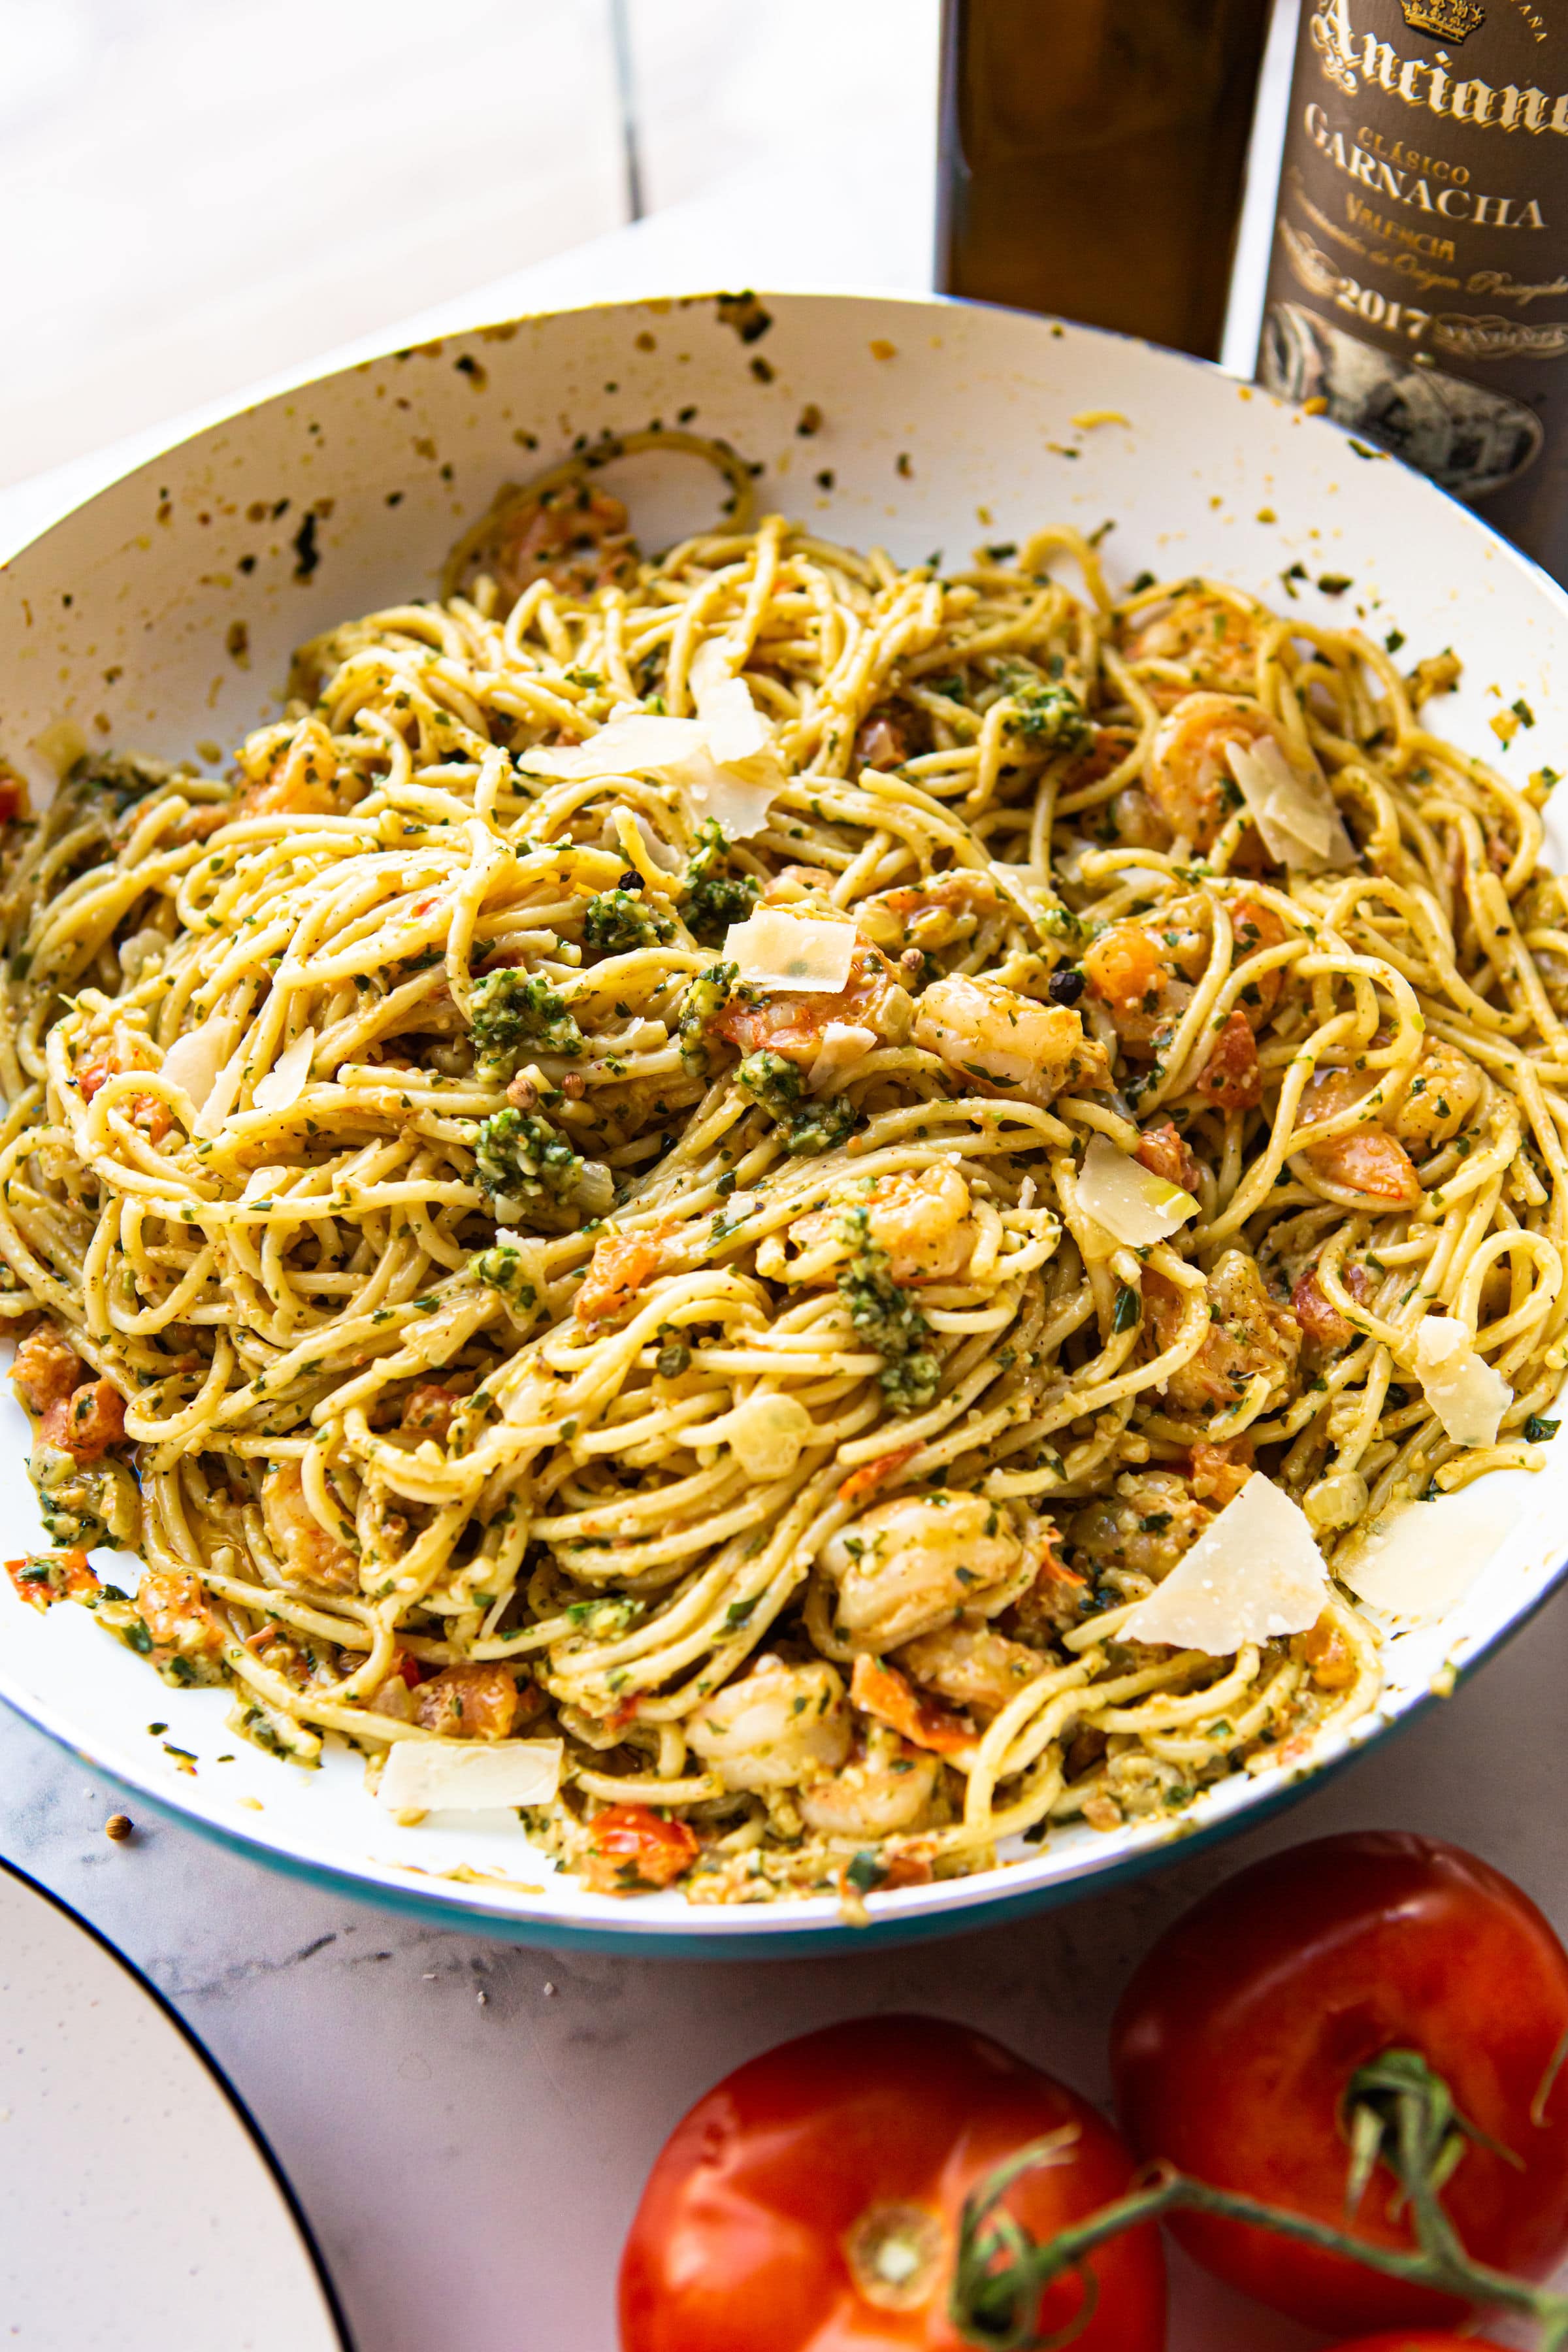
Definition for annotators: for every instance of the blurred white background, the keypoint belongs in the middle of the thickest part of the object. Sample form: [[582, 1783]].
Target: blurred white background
[[197, 195]]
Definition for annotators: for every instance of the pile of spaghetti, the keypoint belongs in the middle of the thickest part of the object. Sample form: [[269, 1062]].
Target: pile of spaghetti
[[554, 1205]]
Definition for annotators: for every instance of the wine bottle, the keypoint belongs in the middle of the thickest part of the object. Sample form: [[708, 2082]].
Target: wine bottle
[[1419, 283], [1092, 156]]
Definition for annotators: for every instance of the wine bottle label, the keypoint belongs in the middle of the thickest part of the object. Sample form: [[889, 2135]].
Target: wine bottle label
[[1419, 285]]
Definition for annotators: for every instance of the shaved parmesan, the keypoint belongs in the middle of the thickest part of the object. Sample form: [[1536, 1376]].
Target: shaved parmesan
[[624, 747], [284, 1083], [1134, 1206], [195, 1060], [843, 1043], [1424, 1558], [722, 762], [736, 798], [1297, 816], [1252, 1575], [1469, 1398], [431, 1776], [802, 953]]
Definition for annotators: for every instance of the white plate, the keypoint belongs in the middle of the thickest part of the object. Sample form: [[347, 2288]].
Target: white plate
[[942, 425], [144, 2210]]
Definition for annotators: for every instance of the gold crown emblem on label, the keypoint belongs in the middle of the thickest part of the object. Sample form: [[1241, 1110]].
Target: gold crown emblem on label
[[1446, 20]]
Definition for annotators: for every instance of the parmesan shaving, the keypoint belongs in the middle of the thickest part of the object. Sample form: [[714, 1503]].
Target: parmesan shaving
[[280, 1089], [1422, 1559], [624, 747], [1134, 1206], [195, 1060], [722, 762], [737, 799], [1254, 1574], [1469, 1398], [806, 954], [431, 1776], [1297, 819]]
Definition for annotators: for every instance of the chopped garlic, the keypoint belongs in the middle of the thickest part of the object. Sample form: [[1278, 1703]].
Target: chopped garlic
[[1135, 1207], [767, 1433], [280, 1089], [1254, 1574], [1297, 817], [1469, 1398], [802, 953], [430, 1776]]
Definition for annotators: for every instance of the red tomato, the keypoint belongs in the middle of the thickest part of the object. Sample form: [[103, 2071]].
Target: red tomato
[[808, 2202], [1236, 2039], [631, 1848]]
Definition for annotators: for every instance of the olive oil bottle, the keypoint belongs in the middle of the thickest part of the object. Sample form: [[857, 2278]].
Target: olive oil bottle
[[1092, 158], [1418, 282]]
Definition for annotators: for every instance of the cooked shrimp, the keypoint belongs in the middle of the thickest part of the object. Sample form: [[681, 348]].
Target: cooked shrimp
[[427, 1410], [467, 1702], [921, 1216], [1254, 927], [125, 1049], [970, 1664], [1368, 1160], [777, 1727], [883, 740], [911, 1565], [1219, 1473], [308, 1552], [932, 914], [885, 1787], [1144, 1527], [1188, 779], [1007, 1044], [574, 536], [795, 1025], [301, 781], [1212, 640], [47, 1368], [1250, 1334], [1444, 1089], [1143, 971]]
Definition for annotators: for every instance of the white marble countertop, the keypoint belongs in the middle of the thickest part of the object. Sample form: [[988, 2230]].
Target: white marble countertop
[[468, 2124]]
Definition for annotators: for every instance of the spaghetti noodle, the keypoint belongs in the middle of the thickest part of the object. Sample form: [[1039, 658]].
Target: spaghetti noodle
[[500, 1300]]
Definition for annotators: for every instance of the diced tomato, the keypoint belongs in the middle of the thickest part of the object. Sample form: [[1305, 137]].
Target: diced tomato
[[632, 1849], [872, 1474], [1232, 1078], [86, 1423], [882, 1691], [42, 1579], [1162, 1150], [620, 1265]]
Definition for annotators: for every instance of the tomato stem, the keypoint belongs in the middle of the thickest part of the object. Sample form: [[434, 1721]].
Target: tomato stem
[[1398, 2113]]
